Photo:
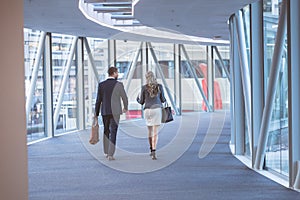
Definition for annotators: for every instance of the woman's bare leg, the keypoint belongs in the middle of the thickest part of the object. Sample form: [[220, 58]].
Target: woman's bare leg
[[154, 141], [150, 138], [154, 136]]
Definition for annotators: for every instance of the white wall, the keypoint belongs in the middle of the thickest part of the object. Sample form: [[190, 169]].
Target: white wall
[[13, 148]]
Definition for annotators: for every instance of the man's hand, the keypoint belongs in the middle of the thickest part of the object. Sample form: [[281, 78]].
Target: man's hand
[[124, 110]]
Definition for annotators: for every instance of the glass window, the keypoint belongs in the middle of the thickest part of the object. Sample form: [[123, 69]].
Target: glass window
[[222, 84], [64, 84], [126, 52], [246, 19], [99, 54], [34, 86], [191, 96], [277, 144]]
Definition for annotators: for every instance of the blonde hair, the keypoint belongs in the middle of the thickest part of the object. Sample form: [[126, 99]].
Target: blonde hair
[[152, 85]]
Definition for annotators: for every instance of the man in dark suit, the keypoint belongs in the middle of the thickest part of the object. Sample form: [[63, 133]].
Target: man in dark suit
[[110, 93]]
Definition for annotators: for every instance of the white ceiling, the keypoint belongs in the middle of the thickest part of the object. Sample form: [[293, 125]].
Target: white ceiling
[[199, 18]]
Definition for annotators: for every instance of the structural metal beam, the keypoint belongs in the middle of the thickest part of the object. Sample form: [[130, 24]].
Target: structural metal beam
[[210, 77], [132, 68], [257, 61], [90, 56], [48, 90], [222, 62], [232, 85], [177, 77], [80, 85], [244, 72], [112, 60], [239, 107]]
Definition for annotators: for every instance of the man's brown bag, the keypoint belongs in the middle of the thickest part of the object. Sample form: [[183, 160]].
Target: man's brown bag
[[94, 139]]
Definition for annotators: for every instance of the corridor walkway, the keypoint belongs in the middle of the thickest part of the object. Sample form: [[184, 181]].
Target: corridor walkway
[[194, 162]]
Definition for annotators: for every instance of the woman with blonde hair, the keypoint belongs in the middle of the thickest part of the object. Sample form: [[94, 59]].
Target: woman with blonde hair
[[152, 96]]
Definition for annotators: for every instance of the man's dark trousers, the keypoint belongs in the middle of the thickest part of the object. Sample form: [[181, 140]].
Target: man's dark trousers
[[110, 124]]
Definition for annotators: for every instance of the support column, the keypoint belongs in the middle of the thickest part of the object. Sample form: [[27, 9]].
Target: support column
[[245, 74], [294, 93], [48, 92], [146, 58], [232, 82], [80, 104], [257, 61], [210, 78], [239, 115], [177, 77], [112, 59], [145, 62], [13, 148]]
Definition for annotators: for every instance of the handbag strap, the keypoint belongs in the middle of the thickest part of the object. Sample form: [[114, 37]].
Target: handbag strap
[[165, 104]]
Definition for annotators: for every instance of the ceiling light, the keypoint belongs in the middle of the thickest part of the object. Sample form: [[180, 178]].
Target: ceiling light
[[216, 37]]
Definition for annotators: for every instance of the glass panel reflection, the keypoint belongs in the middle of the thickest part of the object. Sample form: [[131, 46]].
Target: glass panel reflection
[[99, 54], [126, 54], [35, 118], [246, 19], [277, 145], [67, 117]]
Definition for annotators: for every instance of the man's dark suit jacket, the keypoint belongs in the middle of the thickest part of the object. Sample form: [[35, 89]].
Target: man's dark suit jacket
[[110, 93]]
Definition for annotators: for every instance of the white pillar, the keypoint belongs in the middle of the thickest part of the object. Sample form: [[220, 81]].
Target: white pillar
[[294, 97], [232, 82], [80, 104], [210, 78], [13, 148], [48, 92], [245, 73], [257, 61], [112, 57], [177, 77], [239, 107]]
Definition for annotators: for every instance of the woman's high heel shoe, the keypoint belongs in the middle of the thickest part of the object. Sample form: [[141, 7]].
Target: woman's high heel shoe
[[153, 155]]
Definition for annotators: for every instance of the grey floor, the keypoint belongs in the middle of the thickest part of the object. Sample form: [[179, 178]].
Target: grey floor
[[194, 162]]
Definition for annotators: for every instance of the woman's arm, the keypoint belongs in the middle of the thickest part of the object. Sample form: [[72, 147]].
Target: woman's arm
[[141, 99], [162, 95]]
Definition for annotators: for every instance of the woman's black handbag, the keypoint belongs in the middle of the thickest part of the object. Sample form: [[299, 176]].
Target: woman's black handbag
[[166, 114]]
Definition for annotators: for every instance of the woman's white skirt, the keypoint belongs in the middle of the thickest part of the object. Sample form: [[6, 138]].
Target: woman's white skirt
[[153, 116]]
